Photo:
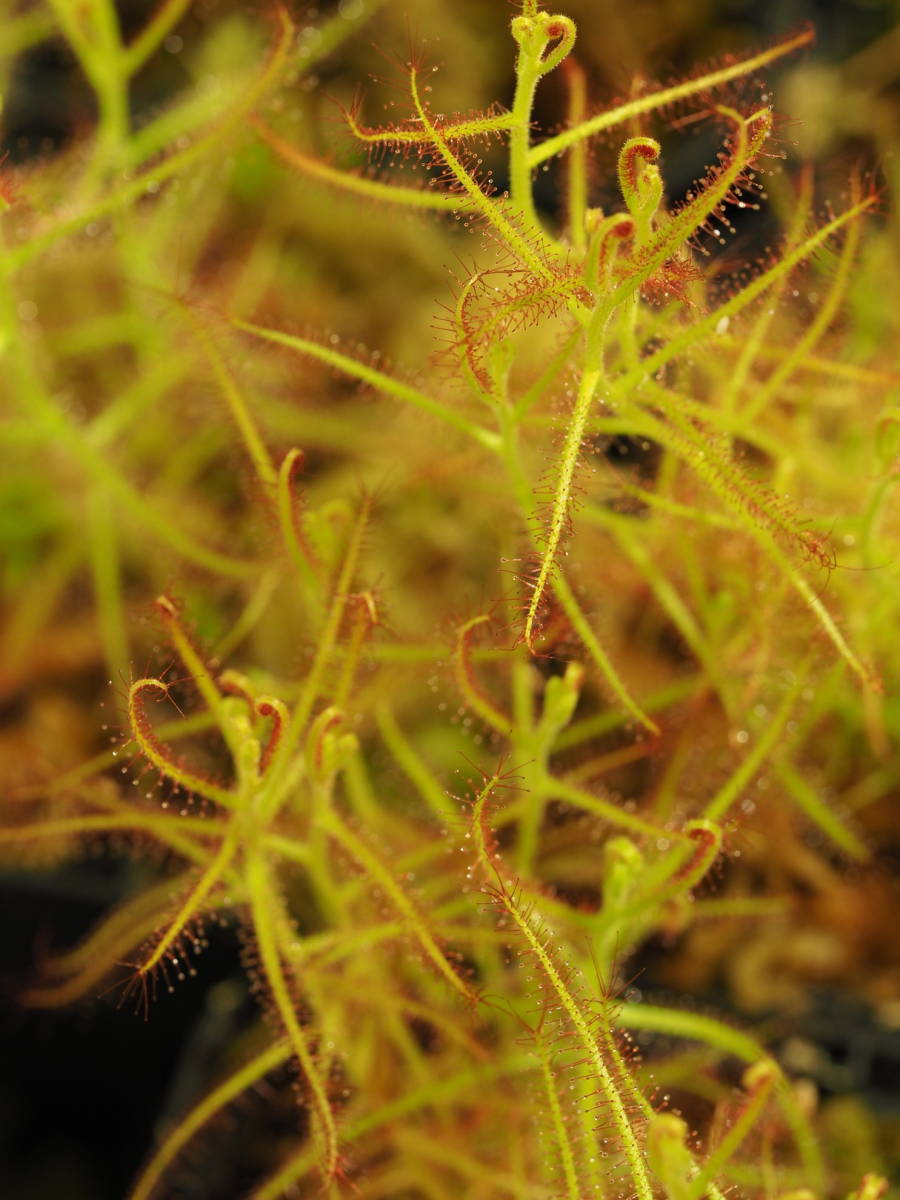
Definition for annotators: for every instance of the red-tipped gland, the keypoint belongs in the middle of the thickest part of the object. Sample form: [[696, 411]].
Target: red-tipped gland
[[187, 649], [366, 608], [233, 683], [290, 507], [561, 30], [707, 837], [317, 742], [469, 684], [268, 706], [603, 249], [142, 729], [760, 1076], [635, 152], [640, 181], [167, 608], [293, 464], [534, 36], [158, 754], [140, 722]]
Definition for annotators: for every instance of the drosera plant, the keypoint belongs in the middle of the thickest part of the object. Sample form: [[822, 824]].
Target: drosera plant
[[443, 975], [268, 773], [621, 348], [293, 803]]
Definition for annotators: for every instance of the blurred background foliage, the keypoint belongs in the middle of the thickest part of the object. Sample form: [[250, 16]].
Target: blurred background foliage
[[83, 1091]]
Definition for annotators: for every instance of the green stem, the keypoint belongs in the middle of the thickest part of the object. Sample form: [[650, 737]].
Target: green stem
[[167, 15], [513, 461], [481, 203], [625, 113], [527, 76], [559, 512], [265, 909], [374, 378]]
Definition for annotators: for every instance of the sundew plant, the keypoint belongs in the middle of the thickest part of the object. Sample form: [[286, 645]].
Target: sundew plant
[[504, 657]]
